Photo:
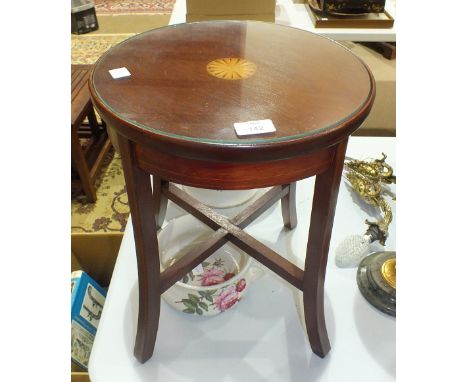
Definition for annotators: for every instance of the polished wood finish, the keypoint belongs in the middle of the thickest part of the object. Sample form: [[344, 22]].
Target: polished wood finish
[[140, 198], [86, 162], [173, 104], [320, 229], [174, 121], [232, 175], [241, 239], [220, 236]]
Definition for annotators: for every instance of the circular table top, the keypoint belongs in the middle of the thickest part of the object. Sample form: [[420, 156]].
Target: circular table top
[[191, 82]]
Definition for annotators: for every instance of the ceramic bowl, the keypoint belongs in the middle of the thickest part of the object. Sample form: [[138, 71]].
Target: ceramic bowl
[[217, 284]]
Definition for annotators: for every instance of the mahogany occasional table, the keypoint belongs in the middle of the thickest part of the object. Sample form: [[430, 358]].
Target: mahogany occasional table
[[173, 120]]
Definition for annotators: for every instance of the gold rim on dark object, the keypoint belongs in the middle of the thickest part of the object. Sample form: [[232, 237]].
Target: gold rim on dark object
[[388, 272], [231, 68]]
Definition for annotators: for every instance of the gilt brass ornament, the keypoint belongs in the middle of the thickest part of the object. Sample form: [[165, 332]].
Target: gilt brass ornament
[[367, 179], [231, 68]]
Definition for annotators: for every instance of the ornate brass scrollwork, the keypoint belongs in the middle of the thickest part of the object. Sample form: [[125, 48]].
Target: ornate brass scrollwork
[[366, 178]]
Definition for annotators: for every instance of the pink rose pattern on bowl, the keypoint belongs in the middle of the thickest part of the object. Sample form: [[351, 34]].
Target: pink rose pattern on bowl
[[227, 298], [215, 299], [212, 276], [213, 273]]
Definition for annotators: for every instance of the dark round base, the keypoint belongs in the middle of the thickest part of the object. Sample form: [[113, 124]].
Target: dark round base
[[373, 286]]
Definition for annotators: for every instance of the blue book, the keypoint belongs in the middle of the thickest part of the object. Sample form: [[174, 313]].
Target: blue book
[[87, 302]]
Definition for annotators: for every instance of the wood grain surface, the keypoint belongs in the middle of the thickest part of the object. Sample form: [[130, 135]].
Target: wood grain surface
[[309, 86]]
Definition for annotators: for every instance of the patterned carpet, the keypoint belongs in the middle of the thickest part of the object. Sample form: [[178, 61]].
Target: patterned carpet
[[106, 7], [88, 48], [110, 212]]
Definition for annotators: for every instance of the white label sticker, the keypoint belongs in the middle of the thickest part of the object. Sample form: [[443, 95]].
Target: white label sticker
[[119, 73], [198, 270], [263, 126]]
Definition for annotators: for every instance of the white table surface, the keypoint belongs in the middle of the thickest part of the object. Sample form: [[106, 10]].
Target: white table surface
[[262, 338], [298, 15]]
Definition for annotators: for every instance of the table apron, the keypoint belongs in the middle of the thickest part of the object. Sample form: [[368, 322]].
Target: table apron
[[232, 175]]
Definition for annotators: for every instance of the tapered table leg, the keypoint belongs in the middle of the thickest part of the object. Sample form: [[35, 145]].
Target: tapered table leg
[[321, 224], [288, 207], [141, 202]]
